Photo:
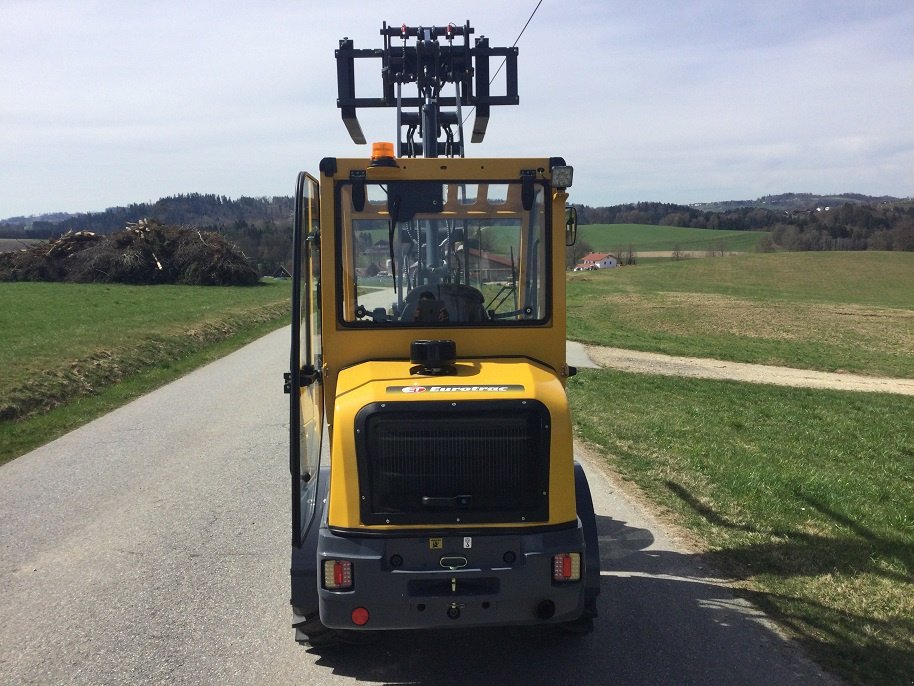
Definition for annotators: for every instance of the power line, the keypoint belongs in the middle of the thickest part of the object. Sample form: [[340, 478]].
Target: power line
[[528, 23], [514, 45]]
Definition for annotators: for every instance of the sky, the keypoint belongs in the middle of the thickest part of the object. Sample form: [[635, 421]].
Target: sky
[[106, 103]]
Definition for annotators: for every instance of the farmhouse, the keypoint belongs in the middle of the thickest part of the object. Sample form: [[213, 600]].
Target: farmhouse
[[487, 266], [596, 260]]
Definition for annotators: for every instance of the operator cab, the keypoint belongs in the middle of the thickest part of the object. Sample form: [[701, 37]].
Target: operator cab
[[450, 254]]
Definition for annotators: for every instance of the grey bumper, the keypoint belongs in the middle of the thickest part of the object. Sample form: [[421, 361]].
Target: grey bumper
[[452, 581]]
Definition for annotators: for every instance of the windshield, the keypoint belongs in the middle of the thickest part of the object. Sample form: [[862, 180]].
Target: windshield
[[423, 253]]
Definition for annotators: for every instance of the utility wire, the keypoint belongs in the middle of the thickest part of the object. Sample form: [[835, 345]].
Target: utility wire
[[504, 61]]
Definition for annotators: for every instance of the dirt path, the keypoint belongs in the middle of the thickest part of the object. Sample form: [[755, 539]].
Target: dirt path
[[704, 368]]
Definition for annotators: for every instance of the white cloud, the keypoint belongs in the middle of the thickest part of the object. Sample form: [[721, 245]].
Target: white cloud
[[109, 103]]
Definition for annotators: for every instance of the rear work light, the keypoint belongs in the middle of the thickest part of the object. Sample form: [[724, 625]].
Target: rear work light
[[337, 575], [566, 567]]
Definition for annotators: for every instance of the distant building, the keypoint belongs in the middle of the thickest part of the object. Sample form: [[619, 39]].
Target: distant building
[[596, 260], [487, 267]]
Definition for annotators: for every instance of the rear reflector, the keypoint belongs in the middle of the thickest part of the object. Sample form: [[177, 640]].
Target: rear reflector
[[337, 575], [566, 567], [360, 616]]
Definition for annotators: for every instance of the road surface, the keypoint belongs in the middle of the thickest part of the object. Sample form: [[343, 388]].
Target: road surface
[[151, 547]]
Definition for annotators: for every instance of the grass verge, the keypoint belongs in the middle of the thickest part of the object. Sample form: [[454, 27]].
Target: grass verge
[[806, 496], [74, 352]]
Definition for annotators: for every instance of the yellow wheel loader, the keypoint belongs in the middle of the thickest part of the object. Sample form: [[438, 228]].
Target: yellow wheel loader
[[433, 478]]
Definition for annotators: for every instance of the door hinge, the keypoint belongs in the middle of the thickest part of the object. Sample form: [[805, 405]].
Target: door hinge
[[307, 375]]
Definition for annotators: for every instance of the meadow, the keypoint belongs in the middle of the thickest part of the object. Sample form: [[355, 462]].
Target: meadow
[[644, 238], [829, 311], [73, 351], [806, 497]]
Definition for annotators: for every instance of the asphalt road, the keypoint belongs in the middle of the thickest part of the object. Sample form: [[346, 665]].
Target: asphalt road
[[151, 547]]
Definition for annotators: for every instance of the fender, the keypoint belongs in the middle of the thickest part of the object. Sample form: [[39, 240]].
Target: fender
[[584, 503]]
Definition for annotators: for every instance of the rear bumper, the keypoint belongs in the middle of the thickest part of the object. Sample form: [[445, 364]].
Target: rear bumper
[[503, 579]]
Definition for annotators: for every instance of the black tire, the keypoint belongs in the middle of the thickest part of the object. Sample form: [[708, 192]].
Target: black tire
[[583, 625], [313, 632]]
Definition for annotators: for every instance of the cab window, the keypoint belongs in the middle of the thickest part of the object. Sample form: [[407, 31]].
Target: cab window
[[423, 253]]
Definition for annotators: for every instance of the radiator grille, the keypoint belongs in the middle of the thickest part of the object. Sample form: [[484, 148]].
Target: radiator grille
[[465, 462]]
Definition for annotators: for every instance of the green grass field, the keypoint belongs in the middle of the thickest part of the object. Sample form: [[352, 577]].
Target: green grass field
[[829, 311], [63, 343], [805, 496], [647, 238]]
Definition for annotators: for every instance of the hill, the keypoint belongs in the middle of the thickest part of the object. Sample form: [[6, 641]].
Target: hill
[[851, 225], [796, 221], [50, 217], [617, 238], [203, 211], [799, 201]]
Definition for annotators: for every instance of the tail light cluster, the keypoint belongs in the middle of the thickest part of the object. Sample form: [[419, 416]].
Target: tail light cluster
[[338, 575], [566, 567]]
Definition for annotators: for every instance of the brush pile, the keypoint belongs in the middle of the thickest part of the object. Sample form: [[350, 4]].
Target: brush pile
[[143, 253]]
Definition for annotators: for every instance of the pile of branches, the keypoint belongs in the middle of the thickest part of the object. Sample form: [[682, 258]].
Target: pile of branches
[[143, 253]]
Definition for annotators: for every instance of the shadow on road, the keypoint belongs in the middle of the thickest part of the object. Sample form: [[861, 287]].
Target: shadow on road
[[662, 620], [869, 645]]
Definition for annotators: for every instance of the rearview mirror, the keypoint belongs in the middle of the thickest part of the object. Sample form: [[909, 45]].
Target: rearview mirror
[[571, 225]]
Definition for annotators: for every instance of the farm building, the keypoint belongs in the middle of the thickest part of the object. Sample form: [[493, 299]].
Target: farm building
[[596, 260], [487, 267]]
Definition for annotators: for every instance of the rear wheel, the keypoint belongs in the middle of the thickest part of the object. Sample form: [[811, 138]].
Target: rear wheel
[[581, 626], [313, 632]]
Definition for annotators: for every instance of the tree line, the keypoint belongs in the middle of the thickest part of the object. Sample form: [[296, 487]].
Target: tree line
[[848, 226], [261, 227]]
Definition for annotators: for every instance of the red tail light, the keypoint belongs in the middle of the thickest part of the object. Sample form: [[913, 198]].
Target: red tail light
[[337, 575], [566, 567]]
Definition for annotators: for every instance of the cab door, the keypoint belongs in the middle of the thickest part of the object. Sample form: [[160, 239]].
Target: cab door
[[306, 418]]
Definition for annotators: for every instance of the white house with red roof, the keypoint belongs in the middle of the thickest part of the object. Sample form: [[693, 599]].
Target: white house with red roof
[[596, 260]]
